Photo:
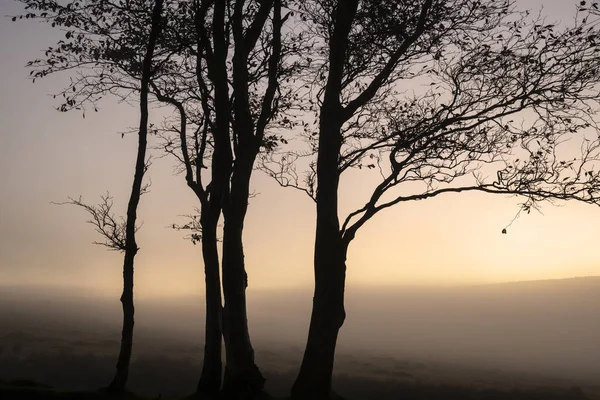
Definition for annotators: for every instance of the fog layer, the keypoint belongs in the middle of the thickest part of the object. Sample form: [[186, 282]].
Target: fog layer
[[542, 328]]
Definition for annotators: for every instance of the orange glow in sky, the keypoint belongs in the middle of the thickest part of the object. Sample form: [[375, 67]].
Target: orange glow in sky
[[46, 156]]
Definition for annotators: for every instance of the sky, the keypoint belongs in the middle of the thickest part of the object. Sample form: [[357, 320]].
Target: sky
[[46, 156]]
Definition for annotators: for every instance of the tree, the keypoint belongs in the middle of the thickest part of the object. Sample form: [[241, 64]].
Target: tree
[[249, 127], [70, 54], [203, 106], [120, 380], [235, 129], [496, 93]]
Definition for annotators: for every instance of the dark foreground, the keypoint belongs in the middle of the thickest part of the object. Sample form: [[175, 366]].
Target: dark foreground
[[24, 389], [511, 341]]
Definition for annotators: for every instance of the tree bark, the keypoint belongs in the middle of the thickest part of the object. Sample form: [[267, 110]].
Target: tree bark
[[209, 384], [119, 382], [117, 386], [328, 314], [314, 378], [243, 379]]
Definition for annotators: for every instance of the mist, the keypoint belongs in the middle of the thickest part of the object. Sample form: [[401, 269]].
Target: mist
[[523, 334]]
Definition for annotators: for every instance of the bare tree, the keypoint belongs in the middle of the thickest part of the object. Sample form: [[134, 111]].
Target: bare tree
[[81, 50], [496, 94]]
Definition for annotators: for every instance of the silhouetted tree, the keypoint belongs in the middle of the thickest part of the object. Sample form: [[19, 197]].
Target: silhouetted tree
[[230, 128], [252, 111], [82, 51], [120, 379], [496, 92], [203, 112]]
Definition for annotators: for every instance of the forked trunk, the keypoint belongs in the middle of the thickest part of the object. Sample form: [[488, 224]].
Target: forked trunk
[[210, 380], [243, 379], [209, 384]]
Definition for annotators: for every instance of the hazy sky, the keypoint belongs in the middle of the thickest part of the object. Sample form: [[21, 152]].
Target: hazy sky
[[46, 156]]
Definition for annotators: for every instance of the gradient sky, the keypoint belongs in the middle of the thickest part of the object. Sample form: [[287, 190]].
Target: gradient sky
[[46, 156]]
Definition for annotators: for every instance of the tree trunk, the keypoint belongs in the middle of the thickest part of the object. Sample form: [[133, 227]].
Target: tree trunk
[[117, 386], [243, 379], [314, 378], [209, 384], [328, 314]]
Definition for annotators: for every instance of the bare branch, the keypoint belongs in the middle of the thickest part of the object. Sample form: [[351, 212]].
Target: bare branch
[[106, 224]]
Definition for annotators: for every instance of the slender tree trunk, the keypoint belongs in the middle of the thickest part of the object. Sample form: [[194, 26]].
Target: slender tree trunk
[[314, 378], [210, 380], [209, 385], [243, 379], [117, 386]]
